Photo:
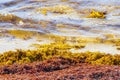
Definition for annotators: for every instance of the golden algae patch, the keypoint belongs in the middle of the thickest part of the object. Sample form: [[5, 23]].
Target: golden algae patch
[[96, 14]]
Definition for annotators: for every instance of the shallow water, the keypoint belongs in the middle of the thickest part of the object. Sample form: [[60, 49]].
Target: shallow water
[[77, 25]]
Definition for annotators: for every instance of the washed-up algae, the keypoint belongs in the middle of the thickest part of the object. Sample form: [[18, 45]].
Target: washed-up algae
[[58, 49]]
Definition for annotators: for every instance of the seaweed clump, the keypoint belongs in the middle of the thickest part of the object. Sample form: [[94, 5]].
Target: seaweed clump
[[96, 14]]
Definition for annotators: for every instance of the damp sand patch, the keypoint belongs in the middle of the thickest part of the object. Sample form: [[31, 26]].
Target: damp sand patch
[[10, 44], [98, 47]]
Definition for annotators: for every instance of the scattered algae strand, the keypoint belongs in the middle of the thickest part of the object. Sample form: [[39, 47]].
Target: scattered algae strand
[[62, 9]]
